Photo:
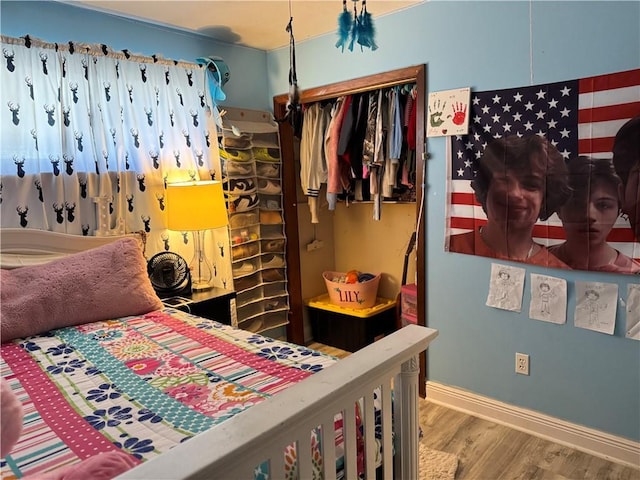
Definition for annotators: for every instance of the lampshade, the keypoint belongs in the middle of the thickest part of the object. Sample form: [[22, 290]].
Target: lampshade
[[195, 206]]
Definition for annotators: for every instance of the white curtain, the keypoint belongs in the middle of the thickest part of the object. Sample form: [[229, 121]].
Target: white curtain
[[83, 121]]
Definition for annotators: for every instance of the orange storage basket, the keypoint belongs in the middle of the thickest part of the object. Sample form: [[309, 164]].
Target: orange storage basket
[[351, 295]]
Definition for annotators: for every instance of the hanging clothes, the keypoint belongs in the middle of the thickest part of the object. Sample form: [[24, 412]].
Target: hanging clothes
[[394, 141], [377, 165], [337, 175], [367, 147], [313, 163]]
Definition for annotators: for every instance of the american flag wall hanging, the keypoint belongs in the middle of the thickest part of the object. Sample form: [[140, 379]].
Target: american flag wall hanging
[[580, 118]]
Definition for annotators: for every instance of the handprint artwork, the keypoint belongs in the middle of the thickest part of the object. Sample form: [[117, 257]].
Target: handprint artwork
[[459, 113], [448, 112]]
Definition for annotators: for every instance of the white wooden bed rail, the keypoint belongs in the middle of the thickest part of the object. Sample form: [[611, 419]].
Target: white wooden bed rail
[[233, 449]]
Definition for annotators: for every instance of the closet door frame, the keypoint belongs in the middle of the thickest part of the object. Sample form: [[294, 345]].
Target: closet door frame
[[414, 74]]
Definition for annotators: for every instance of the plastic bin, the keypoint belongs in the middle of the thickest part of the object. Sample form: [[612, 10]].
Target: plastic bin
[[350, 328], [409, 300], [351, 295], [408, 319]]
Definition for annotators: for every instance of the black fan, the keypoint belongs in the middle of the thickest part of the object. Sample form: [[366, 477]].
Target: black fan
[[169, 274]]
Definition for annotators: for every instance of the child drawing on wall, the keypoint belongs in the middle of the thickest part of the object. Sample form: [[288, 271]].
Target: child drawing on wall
[[545, 293], [593, 305]]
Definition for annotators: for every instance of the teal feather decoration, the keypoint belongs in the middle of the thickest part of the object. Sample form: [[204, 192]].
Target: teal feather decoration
[[344, 27], [355, 28], [366, 30]]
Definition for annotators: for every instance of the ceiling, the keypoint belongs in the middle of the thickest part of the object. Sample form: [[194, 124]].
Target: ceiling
[[259, 24]]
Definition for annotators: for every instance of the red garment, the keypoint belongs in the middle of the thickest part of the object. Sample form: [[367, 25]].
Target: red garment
[[622, 263], [335, 169], [472, 243]]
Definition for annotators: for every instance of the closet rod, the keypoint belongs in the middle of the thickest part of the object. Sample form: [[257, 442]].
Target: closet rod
[[383, 80]]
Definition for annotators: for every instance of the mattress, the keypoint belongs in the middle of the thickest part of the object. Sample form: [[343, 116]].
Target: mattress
[[141, 385]]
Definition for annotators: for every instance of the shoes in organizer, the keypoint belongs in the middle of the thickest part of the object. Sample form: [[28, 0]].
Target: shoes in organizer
[[268, 154], [273, 262], [244, 283], [243, 220], [238, 168], [273, 245], [233, 154], [253, 326], [269, 217], [238, 186], [270, 170], [269, 204], [272, 275], [242, 142], [274, 305], [243, 202], [243, 251], [243, 269], [269, 187]]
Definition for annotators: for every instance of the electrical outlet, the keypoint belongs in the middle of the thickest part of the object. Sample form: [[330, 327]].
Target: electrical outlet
[[522, 363]]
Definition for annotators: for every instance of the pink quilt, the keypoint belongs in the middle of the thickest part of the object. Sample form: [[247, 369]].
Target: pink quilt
[[138, 386]]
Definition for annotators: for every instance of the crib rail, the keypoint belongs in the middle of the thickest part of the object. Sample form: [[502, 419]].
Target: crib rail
[[233, 449]]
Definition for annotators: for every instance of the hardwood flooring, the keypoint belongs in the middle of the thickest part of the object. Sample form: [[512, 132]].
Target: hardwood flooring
[[489, 451]]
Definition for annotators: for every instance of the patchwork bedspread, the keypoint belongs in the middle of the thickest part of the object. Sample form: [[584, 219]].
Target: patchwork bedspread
[[139, 384]]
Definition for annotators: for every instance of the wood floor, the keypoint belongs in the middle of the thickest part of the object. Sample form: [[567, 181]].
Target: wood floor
[[489, 451]]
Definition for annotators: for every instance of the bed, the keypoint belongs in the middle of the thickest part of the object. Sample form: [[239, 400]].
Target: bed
[[101, 369]]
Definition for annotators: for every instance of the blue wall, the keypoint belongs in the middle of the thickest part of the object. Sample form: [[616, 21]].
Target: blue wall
[[58, 22], [577, 375]]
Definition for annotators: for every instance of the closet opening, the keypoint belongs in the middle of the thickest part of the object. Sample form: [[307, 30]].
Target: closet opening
[[305, 264]]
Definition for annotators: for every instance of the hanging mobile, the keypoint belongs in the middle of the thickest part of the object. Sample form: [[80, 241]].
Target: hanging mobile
[[366, 32], [345, 22]]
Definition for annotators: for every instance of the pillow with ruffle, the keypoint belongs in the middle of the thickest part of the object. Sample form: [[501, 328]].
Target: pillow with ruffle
[[102, 283]]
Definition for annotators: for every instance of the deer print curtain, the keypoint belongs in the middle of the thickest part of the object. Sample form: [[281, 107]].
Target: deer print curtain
[[83, 124]]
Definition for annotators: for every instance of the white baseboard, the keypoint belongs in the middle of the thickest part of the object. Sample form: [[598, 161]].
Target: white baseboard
[[594, 442]]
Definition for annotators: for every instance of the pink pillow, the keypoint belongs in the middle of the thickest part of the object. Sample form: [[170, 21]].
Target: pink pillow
[[99, 284]]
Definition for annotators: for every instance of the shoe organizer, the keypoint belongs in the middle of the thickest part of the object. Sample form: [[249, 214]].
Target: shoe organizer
[[252, 180]]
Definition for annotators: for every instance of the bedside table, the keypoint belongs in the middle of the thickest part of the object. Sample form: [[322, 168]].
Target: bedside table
[[214, 304]]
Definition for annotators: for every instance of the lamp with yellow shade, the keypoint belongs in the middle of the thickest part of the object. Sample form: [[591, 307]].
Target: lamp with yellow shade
[[197, 207]]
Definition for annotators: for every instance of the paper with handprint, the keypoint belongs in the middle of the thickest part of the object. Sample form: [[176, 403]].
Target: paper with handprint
[[448, 112]]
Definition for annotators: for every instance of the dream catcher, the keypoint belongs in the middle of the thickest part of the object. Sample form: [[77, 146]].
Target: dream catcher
[[354, 28]]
